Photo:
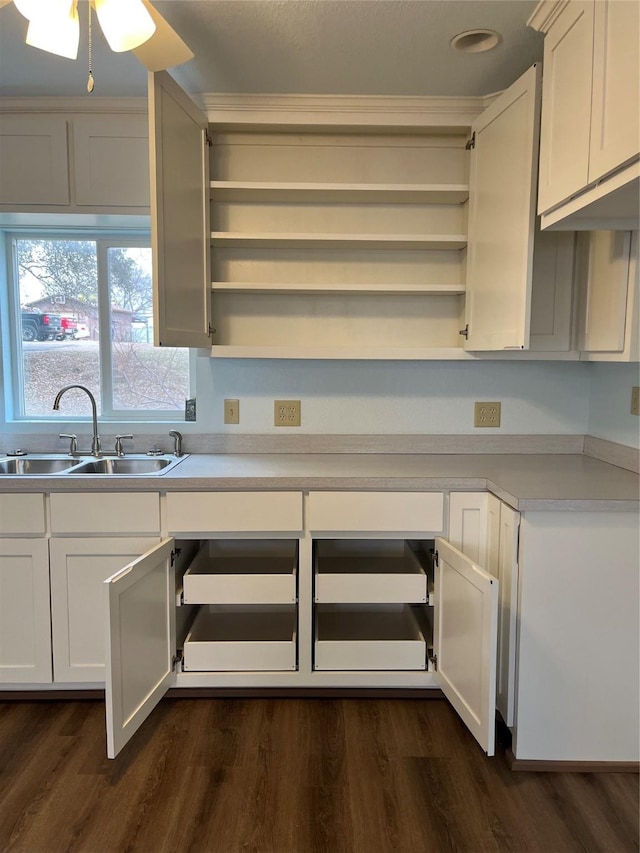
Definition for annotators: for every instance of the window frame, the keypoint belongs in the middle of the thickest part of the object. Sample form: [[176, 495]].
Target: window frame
[[104, 239]]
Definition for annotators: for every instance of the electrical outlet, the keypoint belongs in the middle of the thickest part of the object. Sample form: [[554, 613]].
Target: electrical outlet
[[286, 413], [486, 415], [232, 411], [635, 400], [190, 409]]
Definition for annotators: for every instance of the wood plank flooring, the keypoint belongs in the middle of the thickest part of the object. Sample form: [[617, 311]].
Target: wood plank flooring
[[290, 776]]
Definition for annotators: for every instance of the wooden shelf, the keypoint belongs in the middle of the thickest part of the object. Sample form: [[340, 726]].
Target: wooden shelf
[[337, 289], [260, 191], [286, 240]]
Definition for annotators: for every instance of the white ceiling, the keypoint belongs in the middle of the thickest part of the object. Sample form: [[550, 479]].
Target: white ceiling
[[344, 47]]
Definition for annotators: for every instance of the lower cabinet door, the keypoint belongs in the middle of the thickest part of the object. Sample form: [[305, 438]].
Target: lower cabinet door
[[78, 568], [465, 635], [140, 641], [25, 621]]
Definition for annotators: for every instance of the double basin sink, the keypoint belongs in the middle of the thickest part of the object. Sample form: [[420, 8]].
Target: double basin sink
[[39, 465]]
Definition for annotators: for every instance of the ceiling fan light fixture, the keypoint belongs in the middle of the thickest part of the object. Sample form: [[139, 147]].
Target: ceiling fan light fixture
[[126, 24], [55, 28]]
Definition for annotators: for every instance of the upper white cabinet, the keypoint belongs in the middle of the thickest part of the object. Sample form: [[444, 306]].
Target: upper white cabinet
[[344, 242], [179, 216], [111, 161], [590, 135], [35, 168], [502, 218], [608, 292], [74, 163]]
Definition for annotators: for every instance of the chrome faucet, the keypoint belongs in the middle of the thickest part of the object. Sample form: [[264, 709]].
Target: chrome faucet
[[95, 441], [177, 437]]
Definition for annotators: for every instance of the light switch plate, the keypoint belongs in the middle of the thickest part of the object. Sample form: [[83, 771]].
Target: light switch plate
[[190, 409], [232, 411]]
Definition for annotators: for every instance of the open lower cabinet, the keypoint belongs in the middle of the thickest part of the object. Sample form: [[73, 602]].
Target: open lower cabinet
[[344, 610]]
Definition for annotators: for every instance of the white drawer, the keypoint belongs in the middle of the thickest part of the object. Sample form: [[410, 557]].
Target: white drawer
[[240, 639], [250, 571], [368, 571], [373, 639], [22, 515], [367, 512], [234, 512], [118, 513]]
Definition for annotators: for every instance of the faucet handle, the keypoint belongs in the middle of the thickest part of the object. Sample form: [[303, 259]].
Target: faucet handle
[[73, 446], [119, 438]]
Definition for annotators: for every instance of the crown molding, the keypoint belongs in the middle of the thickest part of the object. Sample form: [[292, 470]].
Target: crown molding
[[343, 110], [545, 13], [87, 104]]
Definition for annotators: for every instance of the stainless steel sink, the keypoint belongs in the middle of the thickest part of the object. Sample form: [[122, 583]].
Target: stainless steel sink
[[36, 465], [125, 465]]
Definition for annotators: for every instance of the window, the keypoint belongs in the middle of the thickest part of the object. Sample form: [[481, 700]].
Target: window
[[83, 314]]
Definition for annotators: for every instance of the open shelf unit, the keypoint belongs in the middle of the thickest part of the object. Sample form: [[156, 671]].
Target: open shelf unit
[[334, 242]]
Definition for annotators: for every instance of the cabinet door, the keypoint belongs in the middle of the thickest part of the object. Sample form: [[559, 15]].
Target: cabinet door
[[465, 638], [507, 574], [566, 105], [615, 116], [180, 233], [502, 218], [25, 621], [552, 291], [604, 258], [111, 161], [140, 616], [33, 153], [78, 569]]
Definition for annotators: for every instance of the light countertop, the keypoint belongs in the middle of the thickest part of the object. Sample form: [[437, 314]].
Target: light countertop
[[524, 481]]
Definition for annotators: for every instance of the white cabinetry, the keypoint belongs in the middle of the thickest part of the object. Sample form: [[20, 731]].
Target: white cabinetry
[[485, 529], [608, 293], [328, 242], [590, 138], [35, 167], [25, 622], [74, 163], [93, 536], [364, 616]]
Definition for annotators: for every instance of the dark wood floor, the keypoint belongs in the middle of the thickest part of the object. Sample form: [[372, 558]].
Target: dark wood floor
[[290, 776]]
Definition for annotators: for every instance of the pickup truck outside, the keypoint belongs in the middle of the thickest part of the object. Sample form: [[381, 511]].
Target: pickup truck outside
[[41, 327]]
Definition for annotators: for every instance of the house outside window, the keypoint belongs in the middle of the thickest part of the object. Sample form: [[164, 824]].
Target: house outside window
[[96, 292]]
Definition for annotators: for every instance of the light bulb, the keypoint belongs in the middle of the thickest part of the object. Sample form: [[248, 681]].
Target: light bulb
[[126, 24], [55, 27]]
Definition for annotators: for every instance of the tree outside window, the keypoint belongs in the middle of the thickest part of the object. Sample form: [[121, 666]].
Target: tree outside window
[[102, 290]]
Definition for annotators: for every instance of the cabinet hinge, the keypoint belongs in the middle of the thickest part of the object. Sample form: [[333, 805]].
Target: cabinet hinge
[[211, 332], [471, 143], [465, 332], [208, 139], [175, 554], [433, 660], [436, 557], [176, 661]]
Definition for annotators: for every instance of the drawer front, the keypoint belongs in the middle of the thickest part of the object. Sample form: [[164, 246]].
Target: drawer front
[[234, 512], [385, 639], [22, 515], [119, 513], [365, 512], [368, 572], [243, 572], [235, 640]]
